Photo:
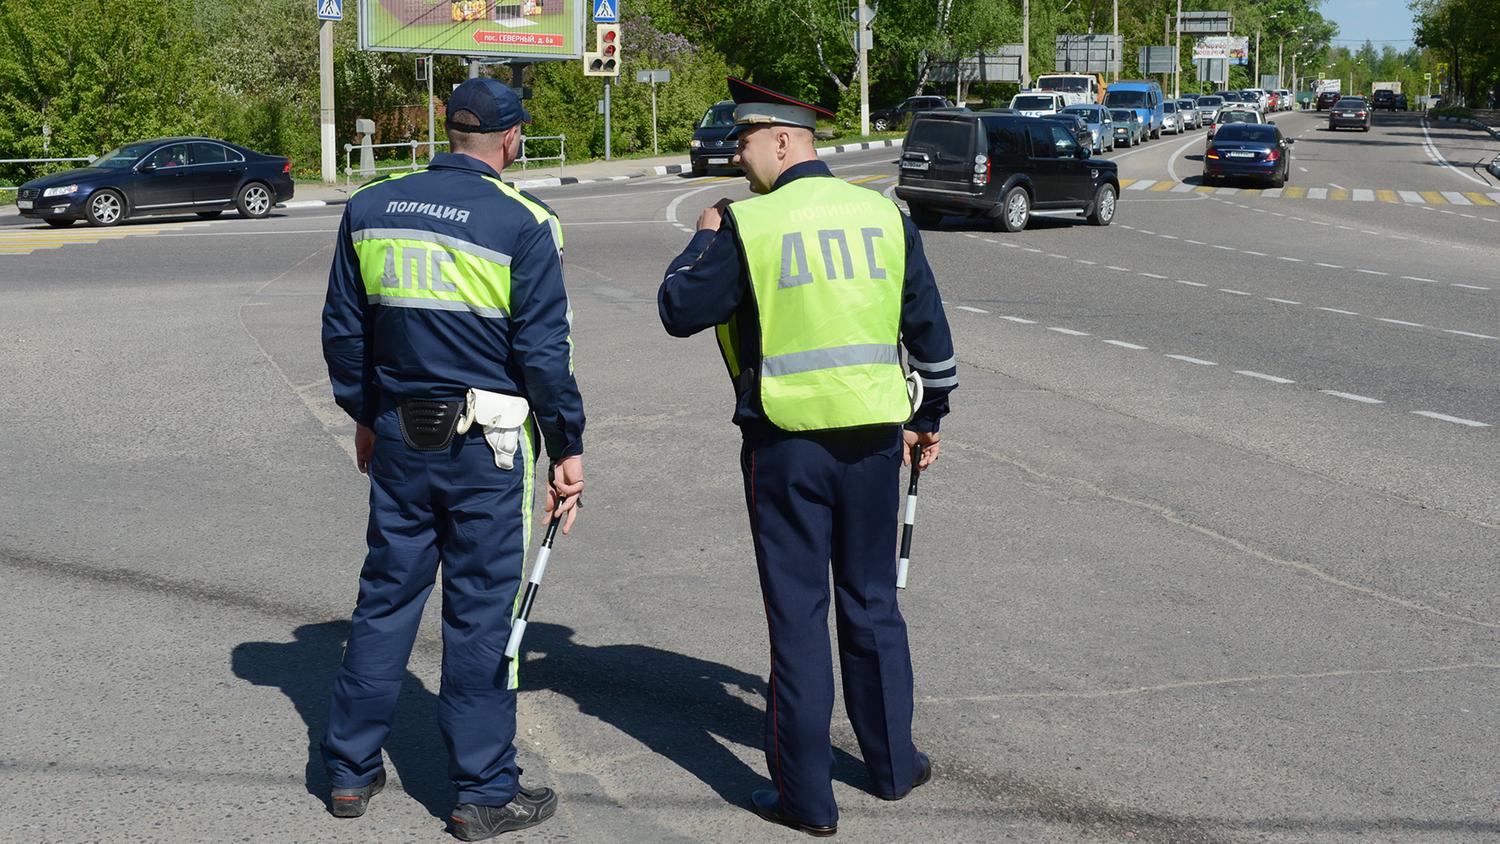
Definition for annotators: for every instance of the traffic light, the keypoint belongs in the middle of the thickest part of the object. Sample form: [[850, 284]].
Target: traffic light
[[605, 60]]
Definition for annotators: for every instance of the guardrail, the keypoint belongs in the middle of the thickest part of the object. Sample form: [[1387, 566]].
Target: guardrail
[[38, 161], [413, 145]]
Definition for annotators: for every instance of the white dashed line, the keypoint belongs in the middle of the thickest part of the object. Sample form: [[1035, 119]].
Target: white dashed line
[[969, 234], [1469, 334], [1011, 245], [1419, 278], [1090, 263], [1316, 222], [1231, 290], [1370, 272], [1454, 419], [1021, 320], [1198, 361], [1468, 286], [1337, 311], [1144, 231], [1282, 301], [1253, 252], [1124, 345], [1170, 236], [1119, 269], [1346, 228], [1057, 256], [1401, 322], [1285, 258], [1227, 248], [972, 310], [1032, 249], [1274, 379], [1351, 397], [1153, 275], [1196, 242], [1329, 266], [1367, 231], [1068, 331], [989, 240]]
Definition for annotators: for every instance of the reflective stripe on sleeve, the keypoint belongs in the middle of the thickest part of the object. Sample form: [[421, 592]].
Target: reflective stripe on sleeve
[[951, 381], [932, 367]]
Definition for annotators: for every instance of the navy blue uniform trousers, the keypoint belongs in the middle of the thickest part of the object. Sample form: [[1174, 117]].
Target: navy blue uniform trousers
[[455, 508], [816, 498]]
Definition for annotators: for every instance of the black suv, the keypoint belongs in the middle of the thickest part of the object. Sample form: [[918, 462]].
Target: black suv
[[885, 119], [999, 167], [1384, 98]]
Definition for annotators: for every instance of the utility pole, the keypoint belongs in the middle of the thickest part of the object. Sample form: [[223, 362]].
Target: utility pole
[[1119, 57], [1177, 57], [1025, 44], [1255, 83], [325, 101], [606, 120], [862, 47], [431, 115]]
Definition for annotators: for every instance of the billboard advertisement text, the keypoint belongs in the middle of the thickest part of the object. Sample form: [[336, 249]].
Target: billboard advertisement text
[[535, 30]]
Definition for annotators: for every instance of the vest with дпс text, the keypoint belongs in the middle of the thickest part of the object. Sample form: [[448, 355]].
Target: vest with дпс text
[[827, 262]]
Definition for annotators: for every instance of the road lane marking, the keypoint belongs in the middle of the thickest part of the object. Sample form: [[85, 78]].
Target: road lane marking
[[1282, 301], [1478, 198], [1387, 195], [1196, 242], [1182, 187], [1317, 193], [1369, 272], [1364, 195], [1068, 331], [1339, 194], [1253, 252], [1084, 261], [1419, 278], [1400, 322], [1118, 269], [1437, 156], [1191, 283], [1219, 246], [1163, 187], [1143, 184], [1124, 345], [1273, 193], [1352, 397], [1456, 198], [1329, 266], [1020, 320], [1285, 258], [1433, 197], [1468, 286], [1233, 291], [1332, 185], [1274, 379], [1192, 360], [1410, 196], [1294, 192], [1469, 334], [1338, 311], [1457, 420], [972, 310], [1153, 275]]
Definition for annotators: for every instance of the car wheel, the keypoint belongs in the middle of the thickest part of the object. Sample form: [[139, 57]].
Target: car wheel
[[925, 217], [209, 215], [879, 124], [60, 224], [106, 208], [1103, 211], [254, 201], [1155, 134], [1015, 210]]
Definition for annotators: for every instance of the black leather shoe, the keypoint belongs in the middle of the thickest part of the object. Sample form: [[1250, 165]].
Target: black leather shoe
[[768, 806], [924, 774], [352, 802], [474, 822]]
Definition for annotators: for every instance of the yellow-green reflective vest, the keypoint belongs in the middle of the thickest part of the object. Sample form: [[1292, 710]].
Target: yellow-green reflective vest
[[827, 262]]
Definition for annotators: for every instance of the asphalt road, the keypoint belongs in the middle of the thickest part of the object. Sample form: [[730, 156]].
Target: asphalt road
[[1210, 555]]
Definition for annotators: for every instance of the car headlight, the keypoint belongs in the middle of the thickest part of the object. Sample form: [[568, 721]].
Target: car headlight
[[64, 190], [695, 143]]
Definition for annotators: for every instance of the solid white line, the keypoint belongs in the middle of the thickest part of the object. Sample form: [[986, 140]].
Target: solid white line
[[672, 206], [1235, 292], [1454, 419], [1469, 334], [1198, 361], [1337, 311], [1282, 301], [1191, 283], [1172, 159], [1021, 320], [1329, 266], [1068, 331], [1401, 322], [1264, 377], [972, 310], [1352, 397], [1468, 286], [1438, 157], [1124, 345], [1370, 272]]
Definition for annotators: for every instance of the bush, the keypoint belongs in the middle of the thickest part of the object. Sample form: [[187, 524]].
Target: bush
[[1452, 111]]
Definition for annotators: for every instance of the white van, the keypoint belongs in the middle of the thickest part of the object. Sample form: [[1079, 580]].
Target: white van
[[1076, 88], [1037, 103]]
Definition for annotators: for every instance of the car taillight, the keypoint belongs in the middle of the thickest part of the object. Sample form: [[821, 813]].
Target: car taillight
[[1273, 155], [981, 170], [1359, 114], [287, 167]]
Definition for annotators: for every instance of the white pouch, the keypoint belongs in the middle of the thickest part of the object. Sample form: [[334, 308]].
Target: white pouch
[[501, 416]]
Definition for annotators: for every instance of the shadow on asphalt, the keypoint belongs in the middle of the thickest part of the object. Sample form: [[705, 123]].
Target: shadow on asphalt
[[677, 706]]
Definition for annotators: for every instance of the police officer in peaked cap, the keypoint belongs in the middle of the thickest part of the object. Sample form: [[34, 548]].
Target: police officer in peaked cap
[[813, 288], [447, 335]]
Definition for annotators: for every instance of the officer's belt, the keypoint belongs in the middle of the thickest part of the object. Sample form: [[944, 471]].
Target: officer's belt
[[428, 425]]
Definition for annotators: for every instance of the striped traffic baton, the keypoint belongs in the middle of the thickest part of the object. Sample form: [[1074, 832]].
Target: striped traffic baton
[[911, 516], [539, 568]]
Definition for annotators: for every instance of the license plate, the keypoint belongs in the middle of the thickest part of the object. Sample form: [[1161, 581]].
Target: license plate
[[1240, 153], [718, 161], [24, 204], [914, 165]]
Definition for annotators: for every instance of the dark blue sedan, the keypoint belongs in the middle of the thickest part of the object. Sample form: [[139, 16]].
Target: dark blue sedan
[[162, 176], [1255, 150]]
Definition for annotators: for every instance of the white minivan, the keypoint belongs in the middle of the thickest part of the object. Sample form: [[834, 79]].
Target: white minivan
[[1037, 103]]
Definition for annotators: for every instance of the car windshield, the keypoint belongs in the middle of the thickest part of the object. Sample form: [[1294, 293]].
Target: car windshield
[[1210, 101], [1032, 102], [1348, 103], [1071, 84], [1087, 113], [1169, 108], [717, 116], [1238, 115], [1125, 99], [1123, 115], [1247, 132], [121, 158], [1184, 103]]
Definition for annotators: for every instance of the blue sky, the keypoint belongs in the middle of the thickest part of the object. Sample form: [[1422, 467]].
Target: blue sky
[[1373, 19]]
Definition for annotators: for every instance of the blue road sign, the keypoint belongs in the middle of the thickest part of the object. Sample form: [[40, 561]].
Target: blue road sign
[[606, 11], [330, 10]]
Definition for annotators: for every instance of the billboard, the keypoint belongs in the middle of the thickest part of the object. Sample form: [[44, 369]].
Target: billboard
[[1088, 54], [531, 30], [1236, 49]]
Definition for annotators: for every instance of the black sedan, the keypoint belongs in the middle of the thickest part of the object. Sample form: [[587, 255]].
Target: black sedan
[[162, 176], [1350, 113], [1256, 150]]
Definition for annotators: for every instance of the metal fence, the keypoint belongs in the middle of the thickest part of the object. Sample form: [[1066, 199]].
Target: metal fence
[[38, 161], [350, 171]]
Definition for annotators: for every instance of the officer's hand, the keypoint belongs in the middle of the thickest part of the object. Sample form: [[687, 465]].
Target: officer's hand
[[566, 484], [930, 448], [364, 448], [713, 216]]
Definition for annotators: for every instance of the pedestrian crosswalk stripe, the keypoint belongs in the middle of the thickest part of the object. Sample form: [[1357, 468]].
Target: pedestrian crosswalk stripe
[[1495, 196], [1433, 197], [1274, 193], [27, 240], [1182, 187], [1204, 189], [1478, 198], [1411, 196], [1317, 193], [1338, 193], [1456, 198], [1294, 192], [1141, 185], [1126, 183], [1162, 187], [1386, 195], [1364, 195]]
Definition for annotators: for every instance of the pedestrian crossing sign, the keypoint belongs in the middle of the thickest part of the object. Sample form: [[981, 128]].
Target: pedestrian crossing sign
[[330, 10], [606, 11]]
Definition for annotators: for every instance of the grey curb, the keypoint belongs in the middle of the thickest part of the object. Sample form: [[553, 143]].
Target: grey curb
[[658, 170]]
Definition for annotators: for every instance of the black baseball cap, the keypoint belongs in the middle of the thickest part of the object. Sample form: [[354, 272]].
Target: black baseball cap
[[494, 105]]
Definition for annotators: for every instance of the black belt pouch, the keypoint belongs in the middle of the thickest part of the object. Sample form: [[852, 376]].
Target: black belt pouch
[[428, 425]]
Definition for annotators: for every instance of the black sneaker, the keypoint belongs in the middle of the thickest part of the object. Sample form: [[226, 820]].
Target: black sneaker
[[352, 802], [473, 822], [924, 775]]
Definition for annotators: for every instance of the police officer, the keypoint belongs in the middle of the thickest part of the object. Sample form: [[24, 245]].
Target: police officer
[[812, 288], [447, 280]]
